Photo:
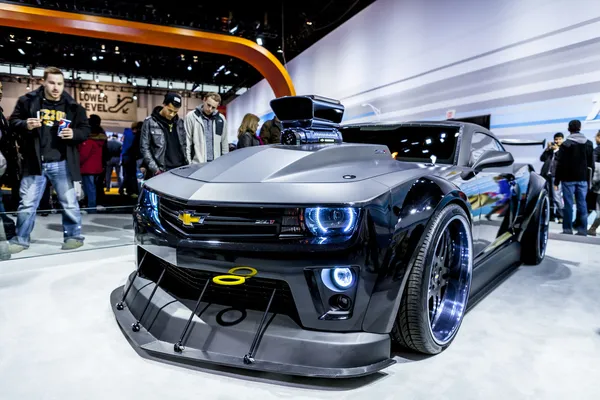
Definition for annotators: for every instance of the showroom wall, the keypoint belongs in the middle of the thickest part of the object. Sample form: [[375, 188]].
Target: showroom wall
[[532, 64], [117, 107]]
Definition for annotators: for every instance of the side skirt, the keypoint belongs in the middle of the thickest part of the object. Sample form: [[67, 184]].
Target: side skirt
[[493, 270]]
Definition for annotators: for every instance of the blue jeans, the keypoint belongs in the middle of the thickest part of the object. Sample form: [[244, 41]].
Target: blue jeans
[[88, 182], [32, 190], [579, 190]]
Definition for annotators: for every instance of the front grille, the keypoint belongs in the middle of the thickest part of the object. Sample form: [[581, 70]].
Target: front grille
[[219, 222], [254, 294]]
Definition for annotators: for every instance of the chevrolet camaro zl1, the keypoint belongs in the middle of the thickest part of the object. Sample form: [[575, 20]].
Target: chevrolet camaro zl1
[[311, 257]]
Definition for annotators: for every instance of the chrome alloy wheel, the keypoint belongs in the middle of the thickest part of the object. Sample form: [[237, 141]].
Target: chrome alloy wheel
[[544, 226], [450, 280]]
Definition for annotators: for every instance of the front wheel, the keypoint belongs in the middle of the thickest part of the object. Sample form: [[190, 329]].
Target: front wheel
[[436, 294]]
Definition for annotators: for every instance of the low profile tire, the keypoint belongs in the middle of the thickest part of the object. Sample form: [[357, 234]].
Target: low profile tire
[[435, 298], [535, 237]]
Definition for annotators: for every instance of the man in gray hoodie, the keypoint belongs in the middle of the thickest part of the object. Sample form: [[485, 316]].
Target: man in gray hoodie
[[206, 131], [574, 170]]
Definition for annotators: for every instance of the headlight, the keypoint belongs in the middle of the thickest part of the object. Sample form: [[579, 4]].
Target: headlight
[[331, 221], [149, 205]]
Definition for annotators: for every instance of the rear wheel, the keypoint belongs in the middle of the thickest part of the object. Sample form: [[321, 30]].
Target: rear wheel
[[535, 237], [438, 287]]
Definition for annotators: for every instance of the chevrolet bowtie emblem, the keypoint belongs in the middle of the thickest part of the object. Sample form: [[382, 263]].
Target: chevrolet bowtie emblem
[[189, 219]]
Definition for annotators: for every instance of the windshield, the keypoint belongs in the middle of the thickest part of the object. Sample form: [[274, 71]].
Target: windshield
[[409, 143]]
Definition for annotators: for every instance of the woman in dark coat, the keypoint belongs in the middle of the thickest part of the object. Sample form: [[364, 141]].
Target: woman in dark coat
[[247, 132]]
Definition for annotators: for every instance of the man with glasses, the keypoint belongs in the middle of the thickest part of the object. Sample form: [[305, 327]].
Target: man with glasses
[[206, 133]]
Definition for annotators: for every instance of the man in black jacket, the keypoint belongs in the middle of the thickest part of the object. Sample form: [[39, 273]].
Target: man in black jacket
[[548, 171], [574, 164], [163, 141], [49, 155]]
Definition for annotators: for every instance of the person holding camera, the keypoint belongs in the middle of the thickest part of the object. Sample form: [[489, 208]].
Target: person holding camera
[[548, 171]]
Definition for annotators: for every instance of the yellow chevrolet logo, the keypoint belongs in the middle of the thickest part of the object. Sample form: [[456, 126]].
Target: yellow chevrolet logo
[[188, 219]]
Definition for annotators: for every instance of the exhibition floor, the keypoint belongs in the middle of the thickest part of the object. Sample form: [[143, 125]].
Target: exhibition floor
[[537, 336]]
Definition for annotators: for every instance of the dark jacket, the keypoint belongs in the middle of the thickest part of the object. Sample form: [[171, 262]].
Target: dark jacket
[[270, 132], [9, 148], [597, 154], [248, 139], [27, 107], [547, 158], [573, 160], [153, 141]]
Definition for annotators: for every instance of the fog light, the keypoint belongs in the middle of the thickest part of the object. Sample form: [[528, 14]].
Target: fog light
[[343, 278], [341, 302]]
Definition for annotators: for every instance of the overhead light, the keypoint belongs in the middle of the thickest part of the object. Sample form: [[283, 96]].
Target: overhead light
[[234, 29], [259, 41], [72, 55], [189, 67], [227, 72], [308, 23], [117, 50], [135, 96], [101, 57], [12, 38], [137, 63], [94, 58], [279, 50], [28, 40], [103, 49], [221, 68], [21, 51]]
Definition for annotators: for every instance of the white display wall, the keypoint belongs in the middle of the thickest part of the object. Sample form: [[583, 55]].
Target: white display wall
[[532, 64]]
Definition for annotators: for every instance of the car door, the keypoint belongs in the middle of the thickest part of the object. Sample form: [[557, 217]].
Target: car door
[[497, 190]]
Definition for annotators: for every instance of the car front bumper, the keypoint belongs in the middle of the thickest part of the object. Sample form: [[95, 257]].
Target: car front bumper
[[218, 334]]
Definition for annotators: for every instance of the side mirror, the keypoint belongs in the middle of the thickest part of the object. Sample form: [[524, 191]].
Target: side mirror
[[493, 159], [489, 159]]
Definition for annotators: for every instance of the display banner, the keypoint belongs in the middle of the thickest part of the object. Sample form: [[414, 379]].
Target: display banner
[[108, 105]]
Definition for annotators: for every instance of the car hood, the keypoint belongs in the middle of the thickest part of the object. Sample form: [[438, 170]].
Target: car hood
[[277, 174], [298, 164]]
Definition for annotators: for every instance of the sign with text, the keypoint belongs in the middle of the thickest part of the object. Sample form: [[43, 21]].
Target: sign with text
[[108, 105]]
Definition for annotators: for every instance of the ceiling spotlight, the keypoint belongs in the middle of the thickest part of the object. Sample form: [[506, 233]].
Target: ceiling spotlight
[[227, 72], [279, 50], [137, 63], [94, 58], [72, 55], [259, 41], [308, 23], [12, 38], [21, 51], [28, 40], [117, 50], [135, 96], [101, 57], [234, 29], [103, 49], [189, 67]]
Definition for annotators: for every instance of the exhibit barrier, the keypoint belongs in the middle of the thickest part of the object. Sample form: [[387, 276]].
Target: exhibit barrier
[[101, 227]]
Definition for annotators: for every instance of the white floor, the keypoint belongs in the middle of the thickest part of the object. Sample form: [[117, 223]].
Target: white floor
[[536, 337]]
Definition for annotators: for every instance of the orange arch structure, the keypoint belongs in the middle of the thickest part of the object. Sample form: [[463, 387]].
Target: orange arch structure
[[135, 32]]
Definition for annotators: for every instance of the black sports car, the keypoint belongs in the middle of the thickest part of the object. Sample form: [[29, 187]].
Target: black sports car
[[312, 256]]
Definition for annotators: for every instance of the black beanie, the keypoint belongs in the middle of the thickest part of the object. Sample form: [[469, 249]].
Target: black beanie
[[172, 98]]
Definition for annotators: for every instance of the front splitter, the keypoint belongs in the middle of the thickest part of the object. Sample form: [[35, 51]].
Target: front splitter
[[221, 336]]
